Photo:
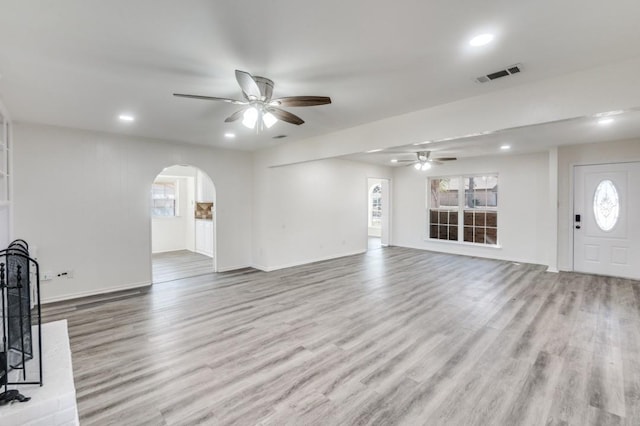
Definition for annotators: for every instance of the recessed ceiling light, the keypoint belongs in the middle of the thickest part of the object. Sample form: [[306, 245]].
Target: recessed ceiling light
[[374, 150], [610, 113], [605, 121], [230, 135], [481, 40], [394, 160], [126, 117], [505, 147]]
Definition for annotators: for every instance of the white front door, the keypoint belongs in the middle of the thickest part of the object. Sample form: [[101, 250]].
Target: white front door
[[606, 227]]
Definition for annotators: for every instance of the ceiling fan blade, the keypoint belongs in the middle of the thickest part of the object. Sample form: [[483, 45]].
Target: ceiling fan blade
[[211, 98], [446, 159], [301, 101], [283, 115], [248, 84], [235, 116]]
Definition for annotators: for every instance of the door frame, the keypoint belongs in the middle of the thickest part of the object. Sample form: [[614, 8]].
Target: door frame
[[570, 219], [366, 209]]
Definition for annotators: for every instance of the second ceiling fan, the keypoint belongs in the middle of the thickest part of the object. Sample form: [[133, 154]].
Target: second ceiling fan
[[424, 161], [258, 104]]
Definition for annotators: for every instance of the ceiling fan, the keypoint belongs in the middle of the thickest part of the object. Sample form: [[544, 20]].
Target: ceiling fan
[[258, 104], [424, 161]]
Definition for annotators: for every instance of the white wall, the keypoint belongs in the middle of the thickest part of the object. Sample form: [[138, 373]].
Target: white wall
[[523, 215], [311, 211], [205, 191], [176, 232], [171, 233], [83, 198], [569, 156]]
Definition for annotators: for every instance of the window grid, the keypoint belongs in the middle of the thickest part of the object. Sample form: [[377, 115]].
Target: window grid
[[163, 199], [376, 206], [444, 209], [476, 222]]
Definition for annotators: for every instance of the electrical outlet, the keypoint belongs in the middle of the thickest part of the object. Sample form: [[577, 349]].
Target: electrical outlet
[[66, 274], [46, 276]]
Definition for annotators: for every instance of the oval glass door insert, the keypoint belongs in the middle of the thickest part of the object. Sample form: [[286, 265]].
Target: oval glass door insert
[[606, 205]]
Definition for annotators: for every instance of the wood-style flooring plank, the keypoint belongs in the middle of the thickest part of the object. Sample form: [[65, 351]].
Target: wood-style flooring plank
[[174, 265], [395, 336]]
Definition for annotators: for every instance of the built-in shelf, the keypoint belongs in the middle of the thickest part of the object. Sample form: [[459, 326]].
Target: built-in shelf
[[5, 178]]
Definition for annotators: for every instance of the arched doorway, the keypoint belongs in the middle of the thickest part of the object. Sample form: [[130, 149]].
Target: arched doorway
[[183, 231]]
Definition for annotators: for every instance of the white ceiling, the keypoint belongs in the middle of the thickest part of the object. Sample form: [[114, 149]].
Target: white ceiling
[[520, 140], [80, 63]]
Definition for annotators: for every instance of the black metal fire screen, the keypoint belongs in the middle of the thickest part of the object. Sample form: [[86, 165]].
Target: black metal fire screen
[[21, 322]]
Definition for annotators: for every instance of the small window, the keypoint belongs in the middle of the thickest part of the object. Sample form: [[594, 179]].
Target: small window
[[606, 205], [163, 199], [375, 220]]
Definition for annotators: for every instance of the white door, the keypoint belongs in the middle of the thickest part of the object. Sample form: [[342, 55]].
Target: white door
[[606, 228]]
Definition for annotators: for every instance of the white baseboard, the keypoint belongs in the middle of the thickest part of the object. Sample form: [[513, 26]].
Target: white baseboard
[[306, 262], [233, 268], [169, 250], [204, 253], [483, 252], [554, 270], [95, 292], [259, 267]]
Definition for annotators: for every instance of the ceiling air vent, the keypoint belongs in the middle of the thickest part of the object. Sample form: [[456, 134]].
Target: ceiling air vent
[[513, 69]]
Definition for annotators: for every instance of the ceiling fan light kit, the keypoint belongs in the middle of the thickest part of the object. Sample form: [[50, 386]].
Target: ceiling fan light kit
[[258, 105], [269, 119], [250, 117]]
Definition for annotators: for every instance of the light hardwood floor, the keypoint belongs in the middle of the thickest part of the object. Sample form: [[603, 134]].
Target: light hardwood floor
[[174, 265], [393, 336], [374, 243]]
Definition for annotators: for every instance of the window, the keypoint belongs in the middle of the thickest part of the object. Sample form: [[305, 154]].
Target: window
[[163, 199], [606, 206], [464, 208], [375, 220], [480, 209], [444, 208]]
